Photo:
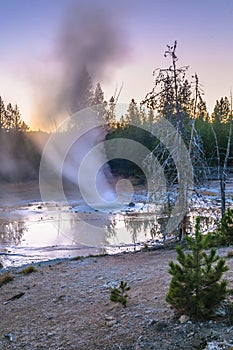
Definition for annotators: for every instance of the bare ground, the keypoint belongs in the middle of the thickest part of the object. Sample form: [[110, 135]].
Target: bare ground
[[66, 306]]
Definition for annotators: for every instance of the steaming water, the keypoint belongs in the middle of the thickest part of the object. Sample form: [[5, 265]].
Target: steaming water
[[32, 231], [36, 232]]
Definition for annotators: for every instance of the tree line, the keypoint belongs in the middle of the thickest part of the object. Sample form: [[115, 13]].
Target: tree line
[[180, 100], [10, 118], [19, 156]]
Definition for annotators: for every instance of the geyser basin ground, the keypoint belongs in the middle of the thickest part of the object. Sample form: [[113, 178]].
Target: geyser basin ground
[[33, 231]]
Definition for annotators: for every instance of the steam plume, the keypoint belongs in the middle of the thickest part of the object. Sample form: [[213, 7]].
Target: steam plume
[[91, 38]]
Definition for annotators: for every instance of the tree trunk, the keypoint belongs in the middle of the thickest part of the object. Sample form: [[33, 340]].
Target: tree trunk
[[223, 192]]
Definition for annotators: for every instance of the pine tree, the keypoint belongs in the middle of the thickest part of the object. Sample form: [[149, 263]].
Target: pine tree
[[2, 114], [81, 92], [196, 288], [119, 295], [98, 95], [13, 120], [24, 127], [110, 117], [9, 117], [222, 127], [98, 104], [221, 111], [133, 114], [225, 228], [151, 118], [16, 119], [202, 113]]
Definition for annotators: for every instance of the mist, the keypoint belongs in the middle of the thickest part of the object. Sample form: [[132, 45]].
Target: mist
[[90, 38]]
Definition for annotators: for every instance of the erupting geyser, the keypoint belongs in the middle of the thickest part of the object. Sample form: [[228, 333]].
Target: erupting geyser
[[89, 42], [78, 154], [86, 165]]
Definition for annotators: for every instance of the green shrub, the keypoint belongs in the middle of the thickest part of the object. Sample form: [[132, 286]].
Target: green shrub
[[223, 235], [225, 228], [119, 295], [195, 288], [5, 278], [211, 239]]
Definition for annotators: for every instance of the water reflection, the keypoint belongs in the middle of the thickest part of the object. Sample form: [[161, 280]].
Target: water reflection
[[11, 232], [42, 232]]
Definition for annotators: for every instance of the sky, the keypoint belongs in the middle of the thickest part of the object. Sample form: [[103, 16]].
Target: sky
[[122, 42]]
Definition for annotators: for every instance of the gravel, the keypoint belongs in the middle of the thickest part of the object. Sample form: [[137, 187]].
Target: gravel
[[65, 305]]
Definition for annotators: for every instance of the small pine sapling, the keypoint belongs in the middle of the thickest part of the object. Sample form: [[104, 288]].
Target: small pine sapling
[[195, 288], [119, 295]]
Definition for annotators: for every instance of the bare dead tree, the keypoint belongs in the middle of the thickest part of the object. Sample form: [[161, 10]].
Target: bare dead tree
[[172, 98], [164, 97], [223, 175]]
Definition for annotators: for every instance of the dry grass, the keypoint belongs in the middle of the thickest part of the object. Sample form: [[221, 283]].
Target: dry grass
[[76, 258], [5, 278], [27, 270], [229, 254]]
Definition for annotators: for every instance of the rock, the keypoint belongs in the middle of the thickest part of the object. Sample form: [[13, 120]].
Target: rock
[[184, 318], [159, 326], [9, 336], [108, 318], [191, 334], [112, 284], [110, 321], [139, 344], [152, 322], [131, 204], [213, 346], [50, 334], [149, 311]]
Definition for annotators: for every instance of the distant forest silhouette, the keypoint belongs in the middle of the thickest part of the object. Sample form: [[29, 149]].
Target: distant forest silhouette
[[20, 155], [207, 135]]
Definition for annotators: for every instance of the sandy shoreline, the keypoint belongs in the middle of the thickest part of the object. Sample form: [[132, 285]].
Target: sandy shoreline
[[66, 303]]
